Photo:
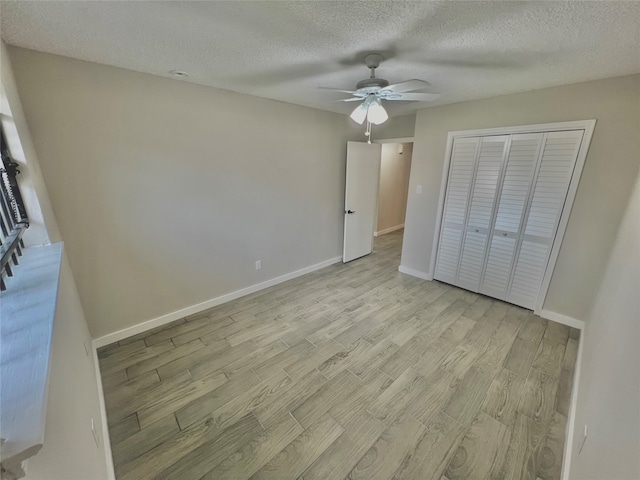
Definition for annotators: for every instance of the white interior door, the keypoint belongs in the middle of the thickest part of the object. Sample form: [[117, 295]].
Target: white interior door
[[361, 189]]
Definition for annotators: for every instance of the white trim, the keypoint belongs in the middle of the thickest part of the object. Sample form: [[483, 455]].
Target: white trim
[[586, 125], [539, 127], [178, 314], [441, 197], [388, 230], [395, 140], [571, 424], [111, 474], [415, 273], [563, 319]]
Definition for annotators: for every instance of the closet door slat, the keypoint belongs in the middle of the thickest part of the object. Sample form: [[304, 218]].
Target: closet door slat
[[481, 210], [520, 166], [551, 184], [461, 172]]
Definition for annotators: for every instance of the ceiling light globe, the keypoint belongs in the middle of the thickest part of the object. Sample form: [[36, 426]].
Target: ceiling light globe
[[376, 114], [359, 114]]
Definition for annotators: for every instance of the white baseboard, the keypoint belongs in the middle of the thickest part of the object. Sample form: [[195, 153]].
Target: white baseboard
[[214, 302], [388, 230], [106, 441], [571, 424], [415, 273], [563, 319]]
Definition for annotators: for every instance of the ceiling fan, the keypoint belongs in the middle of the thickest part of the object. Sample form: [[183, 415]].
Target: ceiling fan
[[372, 91]]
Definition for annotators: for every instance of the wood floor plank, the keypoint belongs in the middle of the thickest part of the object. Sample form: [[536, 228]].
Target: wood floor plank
[[386, 455], [549, 357], [189, 449], [425, 405], [465, 403], [504, 397], [345, 358], [120, 394], [279, 362], [296, 457], [249, 360], [176, 330], [290, 399], [333, 329], [373, 385], [332, 393], [205, 404], [513, 463], [373, 358], [313, 360], [185, 362], [479, 450], [205, 328], [194, 463], [121, 362], [549, 458], [161, 359], [556, 333], [176, 397], [433, 451], [459, 329], [345, 453], [263, 394], [538, 398], [123, 428], [142, 441], [565, 385], [226, 357], [257, 452], [525, 346]]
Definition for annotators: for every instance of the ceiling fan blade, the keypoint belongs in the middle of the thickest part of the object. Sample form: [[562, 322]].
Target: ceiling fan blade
[[338, 90], [415, 97], [407, 86], [354, 99]]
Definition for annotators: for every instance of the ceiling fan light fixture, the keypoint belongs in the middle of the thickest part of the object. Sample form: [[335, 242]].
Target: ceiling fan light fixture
[[376, 113], [359, 114]]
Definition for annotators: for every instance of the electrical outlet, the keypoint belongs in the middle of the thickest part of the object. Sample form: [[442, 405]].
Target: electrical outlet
[[584, 439], [94, 432], [258, 264], [419, 189]]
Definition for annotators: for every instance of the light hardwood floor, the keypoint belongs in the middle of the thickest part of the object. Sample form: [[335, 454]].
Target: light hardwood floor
[[355, 371]]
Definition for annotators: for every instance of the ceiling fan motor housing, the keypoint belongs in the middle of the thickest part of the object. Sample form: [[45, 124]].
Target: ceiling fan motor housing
[[371, 85]]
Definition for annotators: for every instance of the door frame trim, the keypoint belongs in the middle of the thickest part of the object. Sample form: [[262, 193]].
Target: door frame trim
[[586, 125]]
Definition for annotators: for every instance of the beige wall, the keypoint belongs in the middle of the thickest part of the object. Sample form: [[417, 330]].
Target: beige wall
[[609, 393], [168, 192], [611, 167], [69, 450], [394, 183]]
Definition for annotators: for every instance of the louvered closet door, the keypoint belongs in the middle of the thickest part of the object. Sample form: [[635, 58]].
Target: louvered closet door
[[516, 185], [461, 172], [481, 207], [555, 168]]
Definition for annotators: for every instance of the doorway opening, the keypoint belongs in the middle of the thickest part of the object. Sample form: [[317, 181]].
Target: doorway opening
[[376, 191], [393, 187]]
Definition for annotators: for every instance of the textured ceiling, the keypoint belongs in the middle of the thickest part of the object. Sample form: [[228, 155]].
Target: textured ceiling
[[285, 50]]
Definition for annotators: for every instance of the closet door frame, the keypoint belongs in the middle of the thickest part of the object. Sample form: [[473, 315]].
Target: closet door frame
[[586, 125]]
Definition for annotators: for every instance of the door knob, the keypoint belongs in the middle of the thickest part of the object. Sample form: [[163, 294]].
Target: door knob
[[351, 211]]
